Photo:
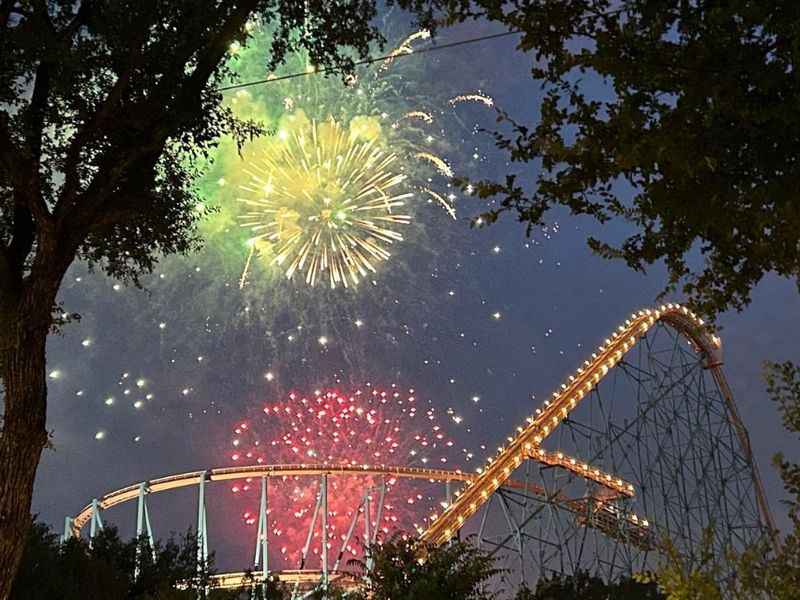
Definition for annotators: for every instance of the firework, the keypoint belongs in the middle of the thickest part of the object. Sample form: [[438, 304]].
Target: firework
[[325, 200], [366, 427]]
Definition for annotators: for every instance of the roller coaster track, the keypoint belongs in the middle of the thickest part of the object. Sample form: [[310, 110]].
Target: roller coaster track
[[193, 478], [526, 443]]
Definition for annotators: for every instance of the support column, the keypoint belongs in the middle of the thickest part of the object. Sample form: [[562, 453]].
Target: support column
[[142, 525], [324, 497], [202, 531], [350, 530], [311, 527], [379, 513], [448, 498], [263, 529], [96, 522], [67, 535], [143, 516], [367, 535]]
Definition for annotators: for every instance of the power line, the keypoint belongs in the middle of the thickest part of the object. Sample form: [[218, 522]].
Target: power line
[[368, 61]]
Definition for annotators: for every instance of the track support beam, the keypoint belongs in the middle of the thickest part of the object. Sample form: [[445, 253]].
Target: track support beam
[[262, 557], [97, 522], [202, 529], [142, 524]]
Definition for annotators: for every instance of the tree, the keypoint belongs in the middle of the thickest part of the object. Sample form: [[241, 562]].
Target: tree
[[455, 571], [107, 109], [764, 570], [583, 586], [106, 570], [683, 579], [680, 118]]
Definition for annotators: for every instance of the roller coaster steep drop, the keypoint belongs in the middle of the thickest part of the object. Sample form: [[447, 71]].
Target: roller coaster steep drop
[[645, 444]]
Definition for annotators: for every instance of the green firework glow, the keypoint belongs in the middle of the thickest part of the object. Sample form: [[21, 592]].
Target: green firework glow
[[285, 232]]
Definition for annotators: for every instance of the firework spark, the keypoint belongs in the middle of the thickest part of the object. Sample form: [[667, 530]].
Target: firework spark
[[418, 114], [324, 200], [437, 162], [405, 47], [483, 99], [448, 206]]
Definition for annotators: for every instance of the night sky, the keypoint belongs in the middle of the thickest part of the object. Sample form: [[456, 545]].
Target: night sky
[[487, 313]]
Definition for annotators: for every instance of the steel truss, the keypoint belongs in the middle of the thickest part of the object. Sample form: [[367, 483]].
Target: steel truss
[[660, 420]]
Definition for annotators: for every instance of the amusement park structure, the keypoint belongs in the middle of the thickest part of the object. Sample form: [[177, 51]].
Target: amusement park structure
[[641, 445]]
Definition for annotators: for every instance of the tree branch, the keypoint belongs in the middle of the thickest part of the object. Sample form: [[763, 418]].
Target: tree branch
[[215, 52], [115, 167], [29, 192], [10, 152], [7, 279], [6, 8], [28, 199], [80, 19], [36, 109], [107, 111], [24, 236]]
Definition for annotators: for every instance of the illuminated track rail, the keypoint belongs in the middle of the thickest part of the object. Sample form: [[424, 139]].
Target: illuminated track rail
[[193, 478], [528, 439], [303, 579]]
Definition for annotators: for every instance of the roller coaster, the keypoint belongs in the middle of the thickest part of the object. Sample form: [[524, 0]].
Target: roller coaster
[[641, 446]]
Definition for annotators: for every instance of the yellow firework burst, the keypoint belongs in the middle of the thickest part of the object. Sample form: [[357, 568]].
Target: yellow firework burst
[[323, 202]]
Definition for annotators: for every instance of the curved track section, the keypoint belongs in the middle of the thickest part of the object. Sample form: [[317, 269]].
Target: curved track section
[[193, 478], [660, 376]]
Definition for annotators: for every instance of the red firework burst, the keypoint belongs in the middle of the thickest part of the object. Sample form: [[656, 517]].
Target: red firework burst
[[331, 427]]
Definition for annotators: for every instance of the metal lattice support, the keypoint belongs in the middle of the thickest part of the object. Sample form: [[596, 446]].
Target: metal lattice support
[[661, 421], [323, 491]]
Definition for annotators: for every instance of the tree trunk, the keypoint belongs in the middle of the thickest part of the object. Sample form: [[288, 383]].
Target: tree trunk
[[23, 434]]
